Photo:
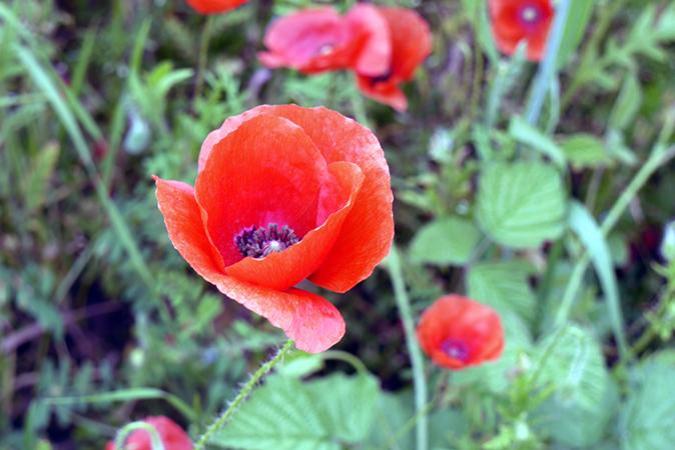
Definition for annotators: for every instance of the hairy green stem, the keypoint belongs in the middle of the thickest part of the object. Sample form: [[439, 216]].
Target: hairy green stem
[[547, 68], [243, 393], [420, 382]]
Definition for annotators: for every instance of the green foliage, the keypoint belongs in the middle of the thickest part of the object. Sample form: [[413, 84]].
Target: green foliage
[[449, 240], [521, 205], [583, 397], [584, 151], [504, 286], [648, 418], [289, 414]]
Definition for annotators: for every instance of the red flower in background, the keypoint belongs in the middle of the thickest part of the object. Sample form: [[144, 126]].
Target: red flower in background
[[214, 6], [410, 41], [285, 193], [383, 46], [457, 332], [172, 436], [516, 20], [316, 40]]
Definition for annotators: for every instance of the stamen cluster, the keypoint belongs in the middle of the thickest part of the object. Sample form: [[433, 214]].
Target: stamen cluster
[[259, 242]]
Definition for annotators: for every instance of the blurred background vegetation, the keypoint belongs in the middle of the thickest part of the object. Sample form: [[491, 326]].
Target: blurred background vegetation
[[101, 321]]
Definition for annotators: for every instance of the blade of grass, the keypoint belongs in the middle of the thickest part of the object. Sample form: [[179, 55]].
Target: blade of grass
[[45, 83], [585, 226]]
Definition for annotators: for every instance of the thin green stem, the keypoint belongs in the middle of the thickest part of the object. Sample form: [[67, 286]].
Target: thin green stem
[[125, 432], [419, 380], [243, 393], [203, 57], [548, 66]]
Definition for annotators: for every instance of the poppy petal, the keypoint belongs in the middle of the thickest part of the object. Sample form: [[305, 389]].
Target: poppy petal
[[311, 40], [182, 217], [368, 231], [375, 53], [265, 171], [386, 92], [285, 269], [214, 6], [310, 320], [411, 40]]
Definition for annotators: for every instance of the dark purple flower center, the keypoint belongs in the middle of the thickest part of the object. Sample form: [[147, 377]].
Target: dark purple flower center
[[529, 15], [259, 242], [455, 349]]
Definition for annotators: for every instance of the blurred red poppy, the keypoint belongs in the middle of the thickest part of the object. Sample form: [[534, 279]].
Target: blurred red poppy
[[311, 41], [457, 332], [283, 194], [214, 6], [172, 436], [410, 41], [514, 21]]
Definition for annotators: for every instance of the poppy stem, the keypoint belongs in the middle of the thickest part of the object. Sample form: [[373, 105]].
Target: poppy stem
[[241, 396], [548, 66], [419, 380], [203, 57]]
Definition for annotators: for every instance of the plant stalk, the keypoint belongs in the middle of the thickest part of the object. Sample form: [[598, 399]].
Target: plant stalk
[[243, 393]]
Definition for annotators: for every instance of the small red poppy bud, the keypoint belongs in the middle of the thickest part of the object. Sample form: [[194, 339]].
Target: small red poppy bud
[[214, 6], [457, 332], [514, 21], [172, 436]]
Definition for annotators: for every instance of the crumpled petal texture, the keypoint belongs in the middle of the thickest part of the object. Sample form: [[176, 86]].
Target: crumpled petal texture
[[511, 25], [214, 6], [172, 436], [309, 168], [474, 331]]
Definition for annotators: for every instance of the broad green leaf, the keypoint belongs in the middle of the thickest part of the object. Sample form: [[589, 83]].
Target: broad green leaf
[[647, 419], [525, 133], [583, 399], [448, 240], [503, 286], [579, 14], [585, 150], [521, 205], [287, 414], [585, 226]]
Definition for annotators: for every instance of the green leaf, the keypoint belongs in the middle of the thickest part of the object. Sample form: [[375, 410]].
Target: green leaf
[[503, 286], [521, 205], [448, 240], [583, 399], [668, 242], [647, 419], [36, 182], [585, 150], [585, 226], [627, 102], [579, 14], [525, 133], [287, 414]]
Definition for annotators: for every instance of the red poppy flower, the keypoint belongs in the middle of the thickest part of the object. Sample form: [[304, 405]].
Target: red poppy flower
[[319, 39], [457, 332], [516, 20], [172, 436], [410, 41], [285, 193], [214, 6]]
